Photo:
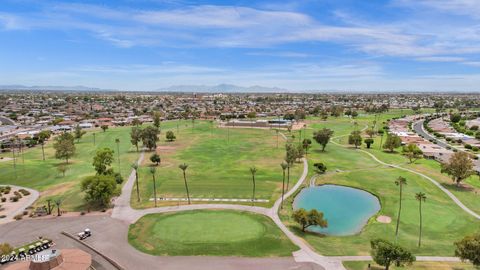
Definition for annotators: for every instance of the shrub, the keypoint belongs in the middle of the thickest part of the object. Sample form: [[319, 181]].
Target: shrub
[[3, 216], [14, 199], [18, 217], [468, 146], [24, 192], [82, 213], [118, 178], [25, 213], [475, 149], [3, 199]]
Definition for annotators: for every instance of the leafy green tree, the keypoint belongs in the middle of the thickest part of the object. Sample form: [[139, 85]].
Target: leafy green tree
[[455, 118], [170, 136], [459, 167], [253, 171], [103, 160], [322, 137], [355, 138], [306, 144], [135, 167], [43, 136], [420, 197], [153, 171], [320, 168], [412, 152], [150, 137], [136, 122], [99, 189], [392, 142], [309, 218], [155, 158], [368, 142], [78, 133], [104, 128], [64, 146], [469, 249], [400, 182], [135, 136], [385, 253], [184, 167], [157, 119]]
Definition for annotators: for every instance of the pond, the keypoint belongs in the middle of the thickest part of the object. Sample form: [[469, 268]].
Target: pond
[[346, 209]]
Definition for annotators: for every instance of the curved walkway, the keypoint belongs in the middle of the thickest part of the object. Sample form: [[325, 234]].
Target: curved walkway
[[21, 204], [306, 253], [446, 191]]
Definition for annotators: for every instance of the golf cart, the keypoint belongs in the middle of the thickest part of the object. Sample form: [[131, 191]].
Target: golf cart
[[86, 233]]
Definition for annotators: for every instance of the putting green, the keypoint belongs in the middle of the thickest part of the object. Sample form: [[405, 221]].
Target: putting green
[[209, 232], [208, 227]]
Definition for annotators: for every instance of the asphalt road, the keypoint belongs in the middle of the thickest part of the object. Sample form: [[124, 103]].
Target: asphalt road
[[110, 237], [418, 128]]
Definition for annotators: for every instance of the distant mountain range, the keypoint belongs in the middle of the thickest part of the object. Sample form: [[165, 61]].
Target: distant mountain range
[[220, 88], [223, 88]]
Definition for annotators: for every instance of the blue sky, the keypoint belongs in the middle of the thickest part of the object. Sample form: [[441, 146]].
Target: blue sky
[[300, 45]]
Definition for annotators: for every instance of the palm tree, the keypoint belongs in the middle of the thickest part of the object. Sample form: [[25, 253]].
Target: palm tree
[[117, 141], [152, 171], [420, 196], [284, 167], [135, 167], [58, 202], [289, 164], [184, 167], [400, 182], [253, 170]]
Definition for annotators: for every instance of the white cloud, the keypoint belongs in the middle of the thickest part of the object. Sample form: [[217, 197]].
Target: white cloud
[[441, 59]]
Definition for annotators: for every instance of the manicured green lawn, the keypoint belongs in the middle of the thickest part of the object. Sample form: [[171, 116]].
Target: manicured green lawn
[[219, 162], [416, 266], [444, 221], [44, 176], [209, 232]]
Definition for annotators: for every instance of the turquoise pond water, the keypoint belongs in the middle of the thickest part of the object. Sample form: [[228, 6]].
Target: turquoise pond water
[[346, 209]]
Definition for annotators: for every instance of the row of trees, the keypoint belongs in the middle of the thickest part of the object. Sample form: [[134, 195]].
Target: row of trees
[[148, 136]]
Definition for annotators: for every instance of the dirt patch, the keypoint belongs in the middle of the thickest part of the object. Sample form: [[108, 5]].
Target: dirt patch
[[384, 219], [166, 148], [5, 159], [58, 189]]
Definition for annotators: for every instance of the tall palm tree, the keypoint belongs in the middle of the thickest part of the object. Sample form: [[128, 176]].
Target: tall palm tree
[[420, 196], [284, 167], [253, 171], [400, 182], [135, 167], [117, 141], [289, 164], [152, 171], [58, 203], [184, 167]]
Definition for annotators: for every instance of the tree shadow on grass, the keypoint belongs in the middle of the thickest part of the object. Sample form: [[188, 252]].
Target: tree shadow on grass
[[461, 188], [297, 231]]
